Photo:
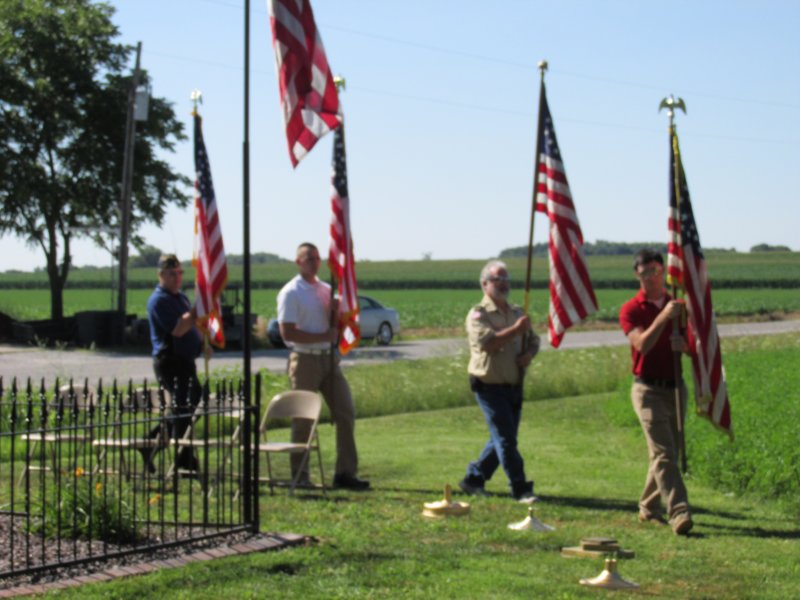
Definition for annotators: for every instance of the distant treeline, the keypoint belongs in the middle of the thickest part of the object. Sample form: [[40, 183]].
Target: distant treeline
[[604, 248], [148, 257]]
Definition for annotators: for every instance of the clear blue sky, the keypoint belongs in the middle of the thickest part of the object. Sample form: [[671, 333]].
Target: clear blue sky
[[440, 108]]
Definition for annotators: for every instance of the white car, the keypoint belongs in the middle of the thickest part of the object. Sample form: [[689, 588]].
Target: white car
[[377, 322]]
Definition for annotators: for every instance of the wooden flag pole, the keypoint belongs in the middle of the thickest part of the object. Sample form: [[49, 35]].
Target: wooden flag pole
[[671, 103], [542, 68], [206, 347]]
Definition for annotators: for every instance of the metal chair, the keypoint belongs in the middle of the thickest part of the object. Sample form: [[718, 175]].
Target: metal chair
[[295, 404], [67, 437], [119, 430]]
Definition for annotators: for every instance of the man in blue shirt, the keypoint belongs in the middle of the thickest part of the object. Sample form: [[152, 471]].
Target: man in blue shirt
[[176, 343]]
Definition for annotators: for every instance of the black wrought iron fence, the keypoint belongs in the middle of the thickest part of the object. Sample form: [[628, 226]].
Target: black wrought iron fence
[[95, 472]]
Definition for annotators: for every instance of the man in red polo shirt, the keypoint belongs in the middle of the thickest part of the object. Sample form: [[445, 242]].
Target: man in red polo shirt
[[647, 321]]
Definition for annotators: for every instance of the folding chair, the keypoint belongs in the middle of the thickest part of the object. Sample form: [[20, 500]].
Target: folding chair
[[295, 404], [232, 411], [68, 403], [188, 440], [138, 402]]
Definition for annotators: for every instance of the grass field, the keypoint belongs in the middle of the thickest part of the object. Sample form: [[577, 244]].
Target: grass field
[[419, 309], [588, 458]]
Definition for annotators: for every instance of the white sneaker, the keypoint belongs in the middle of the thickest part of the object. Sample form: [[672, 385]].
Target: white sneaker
[[527, 498]]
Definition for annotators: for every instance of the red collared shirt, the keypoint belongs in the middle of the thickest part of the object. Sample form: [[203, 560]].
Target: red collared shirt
[[657, 363]]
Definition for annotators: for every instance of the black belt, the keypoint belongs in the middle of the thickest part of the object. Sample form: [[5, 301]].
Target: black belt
[[662, 383], [477, 385]]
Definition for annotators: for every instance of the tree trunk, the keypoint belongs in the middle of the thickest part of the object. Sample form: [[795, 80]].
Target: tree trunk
[[56, 276], [56, 296]]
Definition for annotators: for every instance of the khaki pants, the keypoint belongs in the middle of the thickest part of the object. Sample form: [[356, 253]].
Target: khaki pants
[[313, 372], [655, 408]]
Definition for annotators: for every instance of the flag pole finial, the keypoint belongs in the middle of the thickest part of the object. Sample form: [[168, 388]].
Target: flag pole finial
[[339, 82], [542, 65], [671, 103], [197, 98]]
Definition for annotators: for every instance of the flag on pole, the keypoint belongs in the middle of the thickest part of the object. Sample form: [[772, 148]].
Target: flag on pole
[[340, 257], [309, 97], [211, 267], [686, 269], [572, 297]]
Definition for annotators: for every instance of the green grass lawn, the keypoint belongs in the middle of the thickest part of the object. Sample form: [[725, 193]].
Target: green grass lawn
[[588, 459]]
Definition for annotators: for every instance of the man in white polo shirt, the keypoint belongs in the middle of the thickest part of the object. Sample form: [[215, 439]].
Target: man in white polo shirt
[[308, 324]]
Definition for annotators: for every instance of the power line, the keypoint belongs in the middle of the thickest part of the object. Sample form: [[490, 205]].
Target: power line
[[530, 67], [489, 109]]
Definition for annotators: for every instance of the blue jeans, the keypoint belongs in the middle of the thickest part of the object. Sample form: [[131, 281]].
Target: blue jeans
[[502, 408]]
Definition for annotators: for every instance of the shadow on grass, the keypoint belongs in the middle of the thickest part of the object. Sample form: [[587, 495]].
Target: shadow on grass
[[613, 504], [592, 503], [754, 532]]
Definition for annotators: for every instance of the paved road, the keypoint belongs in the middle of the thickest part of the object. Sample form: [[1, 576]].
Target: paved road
[[24, 362]]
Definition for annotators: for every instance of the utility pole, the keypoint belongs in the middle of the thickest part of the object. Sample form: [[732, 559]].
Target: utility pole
[[125, 188]]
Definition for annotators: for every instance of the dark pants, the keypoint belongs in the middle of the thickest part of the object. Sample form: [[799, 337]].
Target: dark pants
[[502, 408], [179, 376]]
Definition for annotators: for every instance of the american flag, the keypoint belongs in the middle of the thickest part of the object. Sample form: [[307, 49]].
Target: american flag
[[571, 294], [340, 257], [209, 254], [309, 98], [686, 269]]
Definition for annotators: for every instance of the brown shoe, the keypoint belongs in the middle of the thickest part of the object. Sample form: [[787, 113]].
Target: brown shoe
[[682, 523], [652, 518]]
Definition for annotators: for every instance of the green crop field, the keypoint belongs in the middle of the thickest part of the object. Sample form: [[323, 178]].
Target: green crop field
[[420, 309], [725, 269]]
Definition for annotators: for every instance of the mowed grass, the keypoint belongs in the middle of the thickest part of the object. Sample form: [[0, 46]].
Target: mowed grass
[[588, 469], [425, 310]]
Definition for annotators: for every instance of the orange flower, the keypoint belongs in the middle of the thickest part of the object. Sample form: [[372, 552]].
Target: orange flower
[[79, 472], [155, 499]]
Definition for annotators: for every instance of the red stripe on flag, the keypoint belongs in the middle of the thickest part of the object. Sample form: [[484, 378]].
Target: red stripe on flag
[[308, 95], [686, 269], [211, 267], [572, 296], [341, 259]]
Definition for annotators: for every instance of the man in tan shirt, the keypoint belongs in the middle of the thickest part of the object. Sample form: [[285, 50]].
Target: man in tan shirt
[[502, 345]]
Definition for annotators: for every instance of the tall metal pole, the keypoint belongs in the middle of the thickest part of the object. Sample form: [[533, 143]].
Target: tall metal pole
[[125, 192], [671, 103], [251, 495], [542, 68]]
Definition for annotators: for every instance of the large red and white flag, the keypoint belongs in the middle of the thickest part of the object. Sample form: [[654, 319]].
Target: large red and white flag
[[686, 269], [211, 267], [309, 98], [340, 257], [572, 296]]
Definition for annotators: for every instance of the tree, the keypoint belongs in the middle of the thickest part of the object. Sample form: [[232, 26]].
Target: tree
[[63, 105], [148, 257], [769, 248]]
